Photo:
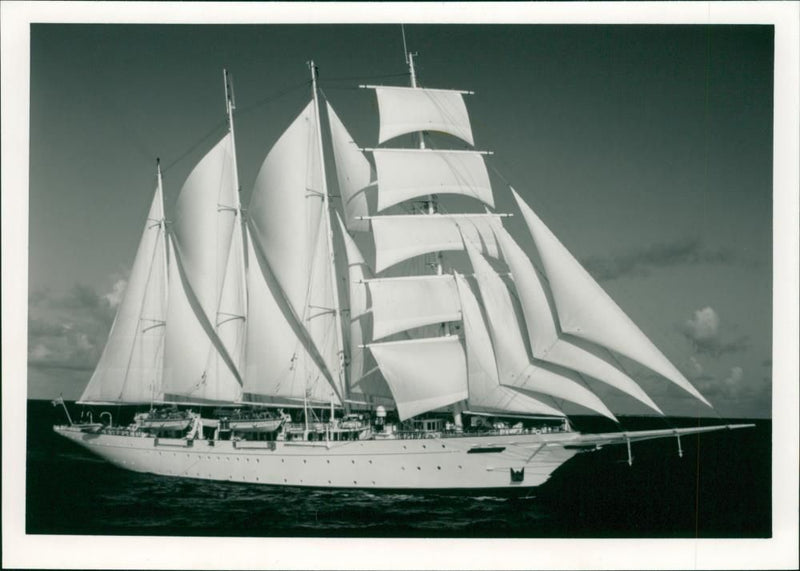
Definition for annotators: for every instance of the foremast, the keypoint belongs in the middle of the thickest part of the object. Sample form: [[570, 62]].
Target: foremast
[[432, 208]]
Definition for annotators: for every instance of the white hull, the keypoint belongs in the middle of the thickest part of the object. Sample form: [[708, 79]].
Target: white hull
[[421, 464]]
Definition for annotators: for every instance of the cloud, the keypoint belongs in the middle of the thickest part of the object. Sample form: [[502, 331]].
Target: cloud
[[704, 326], [643, 261], [67, 330], [703, 330], [114, 297]]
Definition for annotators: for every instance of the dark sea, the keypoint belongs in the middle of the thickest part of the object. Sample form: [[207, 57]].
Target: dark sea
[[721, 488]]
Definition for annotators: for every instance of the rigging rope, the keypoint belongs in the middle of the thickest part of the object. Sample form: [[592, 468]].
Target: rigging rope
[[192, 148], [366, 77], [275, 96]]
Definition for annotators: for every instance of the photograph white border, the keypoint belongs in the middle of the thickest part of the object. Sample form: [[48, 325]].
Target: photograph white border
[[43, 551]]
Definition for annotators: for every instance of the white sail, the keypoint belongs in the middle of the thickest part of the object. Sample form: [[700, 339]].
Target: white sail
[[130, 368], [320, 318], [199, 365], [407, 110], [194, 367], [288, 225], [404, 174], [514, 366], [401, 237], [404, 303], [365, 380], [586, 311], [424, 374], [354, 174], [279, 368], [205, 216], [485, 392], [285, 207], [542, 328], [231, 316]]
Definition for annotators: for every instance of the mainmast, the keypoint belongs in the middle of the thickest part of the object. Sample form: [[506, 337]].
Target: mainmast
[[329, 233], [230, 105]]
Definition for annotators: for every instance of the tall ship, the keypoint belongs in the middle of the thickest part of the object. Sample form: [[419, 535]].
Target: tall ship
[[386, 344]]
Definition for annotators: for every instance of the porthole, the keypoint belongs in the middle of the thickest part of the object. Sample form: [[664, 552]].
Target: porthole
[[328, 461], [438, 467], [418, 468], [424, 446], [352, 461], [304, 461]]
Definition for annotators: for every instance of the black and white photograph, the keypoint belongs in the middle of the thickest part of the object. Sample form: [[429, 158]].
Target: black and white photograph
[[371, 285]]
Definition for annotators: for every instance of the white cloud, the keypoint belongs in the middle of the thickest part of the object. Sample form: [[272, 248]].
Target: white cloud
[[703, 330], [114, 297], [704, 326]]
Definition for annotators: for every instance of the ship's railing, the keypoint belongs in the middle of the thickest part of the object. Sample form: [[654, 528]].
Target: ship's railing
[[422, 434]]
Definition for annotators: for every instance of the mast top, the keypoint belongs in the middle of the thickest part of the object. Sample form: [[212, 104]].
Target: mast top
[[314, 70], [230, 100]]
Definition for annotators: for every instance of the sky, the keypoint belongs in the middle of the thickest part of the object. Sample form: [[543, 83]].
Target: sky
[[646, 149]]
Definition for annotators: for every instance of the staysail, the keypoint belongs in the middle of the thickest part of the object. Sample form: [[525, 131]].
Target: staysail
[[586, 311], [354, 175], [486, 394], [130, 368], [514, 366], [546, 343]]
